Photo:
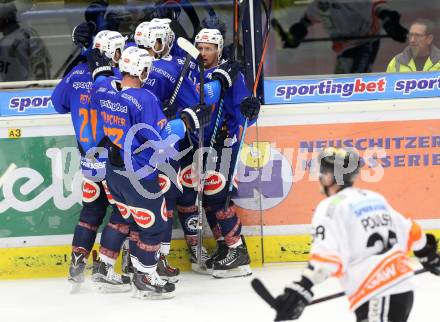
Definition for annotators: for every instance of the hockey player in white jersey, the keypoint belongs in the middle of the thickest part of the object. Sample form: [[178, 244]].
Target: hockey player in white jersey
[[359, 238]]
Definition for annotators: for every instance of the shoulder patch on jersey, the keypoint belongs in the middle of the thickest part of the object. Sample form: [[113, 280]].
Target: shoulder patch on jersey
[[132, 99]]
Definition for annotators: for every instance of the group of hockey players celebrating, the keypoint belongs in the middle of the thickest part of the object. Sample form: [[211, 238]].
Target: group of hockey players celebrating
[[138, 113], [157, 139]]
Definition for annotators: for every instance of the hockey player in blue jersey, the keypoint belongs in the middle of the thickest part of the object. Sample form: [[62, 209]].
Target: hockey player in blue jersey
[[72, 96], [138, 141], [231, 257], [157, 37]]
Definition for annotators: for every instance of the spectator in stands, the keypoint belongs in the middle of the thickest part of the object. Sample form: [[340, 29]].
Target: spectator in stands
[[23, 55], [352, 27], [421, 54]]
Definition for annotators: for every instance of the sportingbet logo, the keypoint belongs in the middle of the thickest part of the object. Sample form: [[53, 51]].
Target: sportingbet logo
[[21, 104], [408, 86], [331, 88], [82, 85]]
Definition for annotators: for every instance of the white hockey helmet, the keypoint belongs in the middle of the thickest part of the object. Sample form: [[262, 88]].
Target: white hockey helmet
[[135, 61], [151, 33], [171, 35], [211, 36], [140, 34], [108, 42]]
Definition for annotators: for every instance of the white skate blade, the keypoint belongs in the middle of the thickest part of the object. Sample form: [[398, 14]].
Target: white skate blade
[[110, 288], [171, 279], [200, 269], [240, 271], [151, 295]]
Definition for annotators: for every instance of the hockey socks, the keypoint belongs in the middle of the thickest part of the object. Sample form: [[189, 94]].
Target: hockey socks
[[112, 239], [84, 236], [188, 221], [230, 225]]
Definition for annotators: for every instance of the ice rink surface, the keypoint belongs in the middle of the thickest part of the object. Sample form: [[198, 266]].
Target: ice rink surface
[[198, 298]]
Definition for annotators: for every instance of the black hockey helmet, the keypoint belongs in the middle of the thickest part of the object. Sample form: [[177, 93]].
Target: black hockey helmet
[[344, 163]]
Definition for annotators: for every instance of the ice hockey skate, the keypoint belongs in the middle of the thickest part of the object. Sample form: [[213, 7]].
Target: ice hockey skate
[[151, 287], [167, 272], [76, 271], [234, 264], [107, 280], [201, 269], [220, 253]]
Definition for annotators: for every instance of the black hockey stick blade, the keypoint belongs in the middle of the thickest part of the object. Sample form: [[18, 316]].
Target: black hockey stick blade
[[264, 293]]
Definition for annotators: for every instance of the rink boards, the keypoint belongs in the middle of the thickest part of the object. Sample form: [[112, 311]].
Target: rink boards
[[398, 139]]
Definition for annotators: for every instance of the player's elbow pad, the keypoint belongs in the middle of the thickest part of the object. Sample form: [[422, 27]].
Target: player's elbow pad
[[212, 92], [174, 127]]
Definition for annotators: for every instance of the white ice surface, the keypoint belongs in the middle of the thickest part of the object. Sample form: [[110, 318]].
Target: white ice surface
[[198, 298]]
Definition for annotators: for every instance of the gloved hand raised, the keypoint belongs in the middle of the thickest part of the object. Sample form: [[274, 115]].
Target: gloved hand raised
[[99, 64], [226, 73], [82, 34]]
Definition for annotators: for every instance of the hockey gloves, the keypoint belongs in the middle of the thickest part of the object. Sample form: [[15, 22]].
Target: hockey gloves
[[82, 34], [428, 255], [99, 64], [164, 10], [297, 33], [250, 107], [392, 26], [95, 12], [196, 117], [226, 73], [169, 110], [213, 22], [292, 302]]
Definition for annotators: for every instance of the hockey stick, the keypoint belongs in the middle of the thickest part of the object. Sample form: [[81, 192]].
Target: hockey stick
[[201, 167], [264, 293], [191, 52]]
